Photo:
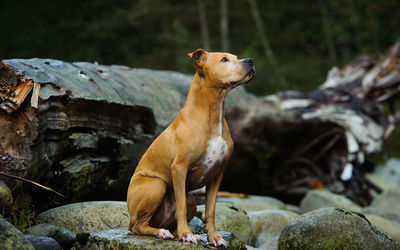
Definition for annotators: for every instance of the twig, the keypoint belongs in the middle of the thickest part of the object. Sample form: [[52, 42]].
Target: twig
[[32, 182]]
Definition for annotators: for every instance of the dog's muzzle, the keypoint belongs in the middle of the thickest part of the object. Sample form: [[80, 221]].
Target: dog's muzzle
[[251, 70]]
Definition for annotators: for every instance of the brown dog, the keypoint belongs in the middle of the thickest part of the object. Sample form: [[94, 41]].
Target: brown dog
[[191, 153]]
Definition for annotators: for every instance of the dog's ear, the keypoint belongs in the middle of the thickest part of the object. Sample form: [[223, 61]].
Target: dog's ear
[[199, 57]]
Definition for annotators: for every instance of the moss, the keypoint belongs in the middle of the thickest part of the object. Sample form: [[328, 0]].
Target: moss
[[22, 218]]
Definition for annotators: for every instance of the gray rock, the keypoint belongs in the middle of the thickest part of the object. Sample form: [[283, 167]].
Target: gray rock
[[64, 237], [320, 198], [88, 216], [386, 205], [11, 238], [334, 228], [231, 219], [197, 226], [6, 198], [123, 239], [389, 226], [253, 203], [43, 242], [268, 224], [387, 175]]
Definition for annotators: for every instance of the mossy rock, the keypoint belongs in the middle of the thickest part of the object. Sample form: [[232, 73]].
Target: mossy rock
[[11, 238], [123, 239], [231, 219], [334, 228]]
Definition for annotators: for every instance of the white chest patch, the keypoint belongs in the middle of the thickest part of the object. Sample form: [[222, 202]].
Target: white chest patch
[[216, 152]]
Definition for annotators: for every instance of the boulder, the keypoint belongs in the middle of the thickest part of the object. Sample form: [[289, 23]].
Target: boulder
[[334, 228], [231, 219], [386, 205], [6, 198], [268, 224], [90, 216], [320, 198], [253, 202], [64, 237], [43, 242], [123, 239], [11, 238]]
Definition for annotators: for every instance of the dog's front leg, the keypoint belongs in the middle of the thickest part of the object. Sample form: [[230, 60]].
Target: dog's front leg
[[211, 198], [179, 172]]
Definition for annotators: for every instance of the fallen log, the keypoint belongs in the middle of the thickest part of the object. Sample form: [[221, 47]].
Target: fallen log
[[82, 127], [322, 138]]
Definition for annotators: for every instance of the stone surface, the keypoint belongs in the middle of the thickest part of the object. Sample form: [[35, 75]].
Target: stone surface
[[389, 226], [11, 238], [320, 198], [268, 224], [386, 205], [334, 228], [64, 237], [122, 239], [43, 242], [88, 216], [6, 198], [231, 219], [253, 203]]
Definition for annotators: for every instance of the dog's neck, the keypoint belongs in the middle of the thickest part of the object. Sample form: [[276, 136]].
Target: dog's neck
[[207, 103]]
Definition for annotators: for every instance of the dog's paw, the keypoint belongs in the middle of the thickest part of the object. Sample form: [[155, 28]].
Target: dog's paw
[[217, 241], [165, 234], [193, 238]]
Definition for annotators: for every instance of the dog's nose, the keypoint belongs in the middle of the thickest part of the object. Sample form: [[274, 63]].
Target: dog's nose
[[248, 61]]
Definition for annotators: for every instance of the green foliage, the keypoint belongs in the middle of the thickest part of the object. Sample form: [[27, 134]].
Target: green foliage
[[157, 34]]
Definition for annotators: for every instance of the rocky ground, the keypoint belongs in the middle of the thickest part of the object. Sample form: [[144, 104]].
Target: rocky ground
[[322, 221]]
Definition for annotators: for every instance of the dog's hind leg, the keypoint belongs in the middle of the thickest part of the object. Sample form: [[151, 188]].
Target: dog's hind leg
[[145, 195]]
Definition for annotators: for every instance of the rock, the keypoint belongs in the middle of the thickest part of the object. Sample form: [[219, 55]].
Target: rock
[[64, 237], [320, 198], [11, 238], [334, 228], [88, 216], [6, 198], [43, 242], [231, 219], [386, 205], [123, 239], [390, 227], [197, 226], [253, 203], [387, 175], [268, 224]]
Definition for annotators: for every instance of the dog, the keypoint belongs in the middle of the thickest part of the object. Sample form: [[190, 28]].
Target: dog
[[189, 154]]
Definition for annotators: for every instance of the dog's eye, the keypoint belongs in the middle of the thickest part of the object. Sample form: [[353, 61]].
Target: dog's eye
[[224, 59]]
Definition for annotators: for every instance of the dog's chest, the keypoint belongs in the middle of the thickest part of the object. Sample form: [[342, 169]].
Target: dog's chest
[[216, 152]]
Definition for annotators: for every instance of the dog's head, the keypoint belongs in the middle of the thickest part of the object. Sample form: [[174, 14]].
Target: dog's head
[[222, 70]]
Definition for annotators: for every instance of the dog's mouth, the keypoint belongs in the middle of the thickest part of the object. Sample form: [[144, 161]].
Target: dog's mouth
[[250, 75], [251, 72]]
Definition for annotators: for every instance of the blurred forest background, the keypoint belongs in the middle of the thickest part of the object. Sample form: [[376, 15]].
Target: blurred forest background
[[293, 43]]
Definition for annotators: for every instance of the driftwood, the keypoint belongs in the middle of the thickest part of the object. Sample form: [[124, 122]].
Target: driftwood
[[321, 138], [80, 128]]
